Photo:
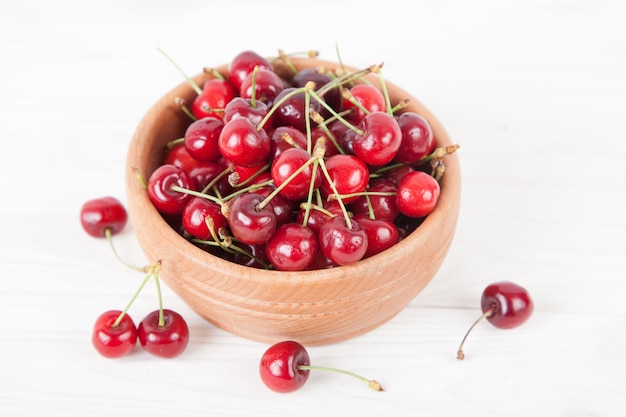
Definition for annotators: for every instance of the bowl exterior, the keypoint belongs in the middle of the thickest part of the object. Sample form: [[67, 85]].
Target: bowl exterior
[[312, 307]]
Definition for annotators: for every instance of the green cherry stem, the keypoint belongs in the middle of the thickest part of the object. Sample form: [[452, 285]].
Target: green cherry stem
[[336, 193], [157, 281], [152, 270], [373, 384], [109, 238], [191, 82]]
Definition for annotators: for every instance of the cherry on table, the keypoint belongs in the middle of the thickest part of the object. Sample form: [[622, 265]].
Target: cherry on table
[[102, 214], [505, 305], [285, 367], [163, 333], [114, 334]]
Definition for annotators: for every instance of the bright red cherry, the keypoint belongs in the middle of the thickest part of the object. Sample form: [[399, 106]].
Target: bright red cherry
[[102, 214], [243, 144], [195, 216], [180, 156], [264, 84], [113, 340], [418, 194], [505, 305], [216, 94], [242, 108], [286, 165], [249, 223], [417, 138], [160, 192], [201, 138], [381, 234], [243, 64], [287, 137], [370, 97], [380, 140], [341, 243], [349, 175], [166, 339], [280, 366], [292, 248]]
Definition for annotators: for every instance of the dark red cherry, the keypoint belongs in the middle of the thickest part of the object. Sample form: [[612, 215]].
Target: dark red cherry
[[287, 137], [279, 367], [167, 338], [102, 214], [383, 206], [291, 108], [195, 218], [165, 199], [283, 208], [342, 244], [292, 248], [242, 108], [349, 175], [381, 234], [216, 94], [243, 64], [113, 340], [243, 144], [380, 140], [418, 140], [332, 97], [201, 138], [205, 172], [179, 156], [505, 305], [286, 165], [249, 223], [264, 84], [418, 194]]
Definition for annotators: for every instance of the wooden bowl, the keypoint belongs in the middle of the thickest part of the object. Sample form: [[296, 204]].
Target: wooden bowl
[[312, 307]]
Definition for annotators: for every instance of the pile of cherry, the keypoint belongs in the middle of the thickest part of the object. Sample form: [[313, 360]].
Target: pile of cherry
[[255, 182], [309, 172]]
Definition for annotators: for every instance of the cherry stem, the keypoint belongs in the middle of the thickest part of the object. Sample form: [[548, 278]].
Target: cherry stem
[[336, 193], [109, 238], [180, 102], [335, 114], [383, 87], [215, 180], [459, 353], [276, 105], [152, 270], [215, 73], [189, 80], [195, 193], [140, 177], [307, 210], [155, 275], [332, 197], [373, 384]]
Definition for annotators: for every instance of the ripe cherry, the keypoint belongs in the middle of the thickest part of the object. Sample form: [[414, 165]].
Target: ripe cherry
[[264, 85], [216, 94], [163, 333], [292, 248], [287, 137], [341, 242], [243, 144], [179, 156], [160, 192], [201, 138], [380, 198], [286, 165], [196, 215], [417, 138], [243, 64], [369, 97], [114, 335], [244, 108], [291, 111], [380, 140], [249, 223], [103, 214], [381, 234], [418, 193], [505, 305], [349, 175], [285, 367]]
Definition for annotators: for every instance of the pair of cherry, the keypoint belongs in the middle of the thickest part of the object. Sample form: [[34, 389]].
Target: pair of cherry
[[162, 332], [285, 366]]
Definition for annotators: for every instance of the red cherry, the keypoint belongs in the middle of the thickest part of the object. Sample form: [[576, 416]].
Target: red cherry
[[206, 172], [249, 223], [201, 138], [264, 84], [195, 215], [180, 157], [349, 175], [370, 97], [291, 111], [282, 138], [332, 97], [243, 108], [286, 165], [279, 367], [342, 244], [102, 214], [418, 194], [381, 234], [383, 206], [283, 208], [417, 138], [505, 305], [243, 64], [113, 340], [216, 94], [241, 143], [166, 339], [380, 140], [160, 191], [292, 248]]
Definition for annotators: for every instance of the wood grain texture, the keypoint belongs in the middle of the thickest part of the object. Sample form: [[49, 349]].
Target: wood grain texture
[[313, 307]]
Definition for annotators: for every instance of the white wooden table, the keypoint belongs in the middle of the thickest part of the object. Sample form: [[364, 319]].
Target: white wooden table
[[533, 91]]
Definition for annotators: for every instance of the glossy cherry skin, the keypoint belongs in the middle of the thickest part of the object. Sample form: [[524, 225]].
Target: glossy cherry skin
[[383, 206], [114, 342], [511, 303], [285, 165], [160, 191], [380, 141], [264, 84], [348, 173], [195, 214], [250, 224], [371, 98], [279, 366], [216, 94], [167, 341], [100, 214], [292, 248], [418, 194], [180, 156], [332, 97], [342, 245], [243, 144], [418, 140], [291, 111], [201, 138], [243, 108], [243, 64], [381, 234], [280, 143]]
